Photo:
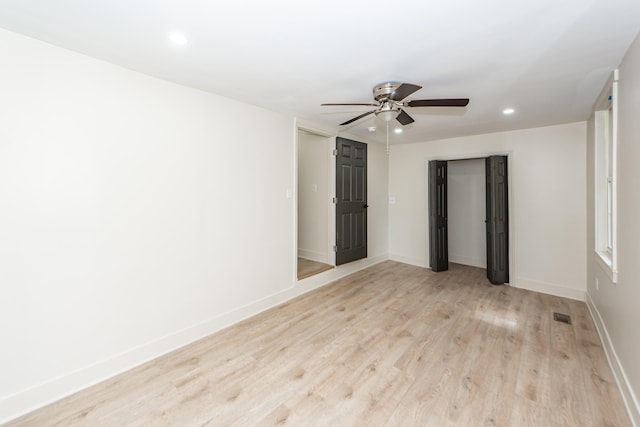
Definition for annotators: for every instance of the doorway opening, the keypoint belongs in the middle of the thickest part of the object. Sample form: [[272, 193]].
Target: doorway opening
[[314, 245], [466, 224], [466, 199]]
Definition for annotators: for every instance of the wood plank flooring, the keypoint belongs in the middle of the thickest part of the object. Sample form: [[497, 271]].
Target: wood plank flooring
[[392, 345], [308, 268]]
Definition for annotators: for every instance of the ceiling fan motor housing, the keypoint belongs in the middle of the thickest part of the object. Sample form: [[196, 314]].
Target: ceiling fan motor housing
[[383, 91]]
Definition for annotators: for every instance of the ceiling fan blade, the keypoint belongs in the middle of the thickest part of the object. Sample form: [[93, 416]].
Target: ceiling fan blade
[[404, 90], [368, 105], [404, 118], [357, 118], [453, 102]]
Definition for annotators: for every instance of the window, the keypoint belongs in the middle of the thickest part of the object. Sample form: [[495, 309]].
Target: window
[[609, 170], [605, 176]]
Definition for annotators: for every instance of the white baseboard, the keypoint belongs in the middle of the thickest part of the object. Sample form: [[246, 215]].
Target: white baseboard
[[408, 260], [548, 288], [336, 273], [25, 401], [312, 255], [628, 396], [465, 260]]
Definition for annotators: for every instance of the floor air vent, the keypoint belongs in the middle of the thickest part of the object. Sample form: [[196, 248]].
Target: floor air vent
[[564, 318]]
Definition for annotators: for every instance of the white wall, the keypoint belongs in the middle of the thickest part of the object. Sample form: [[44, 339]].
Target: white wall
[[313, 196], [615, 306], [466, 212], [547, 202], [377, 199], [130, 208]]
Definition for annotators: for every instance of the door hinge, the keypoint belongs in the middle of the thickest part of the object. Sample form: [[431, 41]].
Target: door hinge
[[335, 248], [335, 151], [334, 200]]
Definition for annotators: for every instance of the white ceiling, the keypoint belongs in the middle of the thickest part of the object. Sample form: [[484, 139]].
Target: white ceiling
[[548, 59]]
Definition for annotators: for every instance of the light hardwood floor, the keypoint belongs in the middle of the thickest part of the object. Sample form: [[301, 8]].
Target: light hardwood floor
[[308, 268], [393, 345]]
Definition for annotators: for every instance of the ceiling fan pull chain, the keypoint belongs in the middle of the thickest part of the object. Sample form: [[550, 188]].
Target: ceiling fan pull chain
[[387, 138]]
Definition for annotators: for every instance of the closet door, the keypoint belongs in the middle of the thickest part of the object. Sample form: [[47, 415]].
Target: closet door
[[497, 220], [438, 242]]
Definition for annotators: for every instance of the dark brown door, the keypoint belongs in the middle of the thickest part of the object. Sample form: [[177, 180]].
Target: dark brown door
[[497, 220], [351, 201], [438, 231]]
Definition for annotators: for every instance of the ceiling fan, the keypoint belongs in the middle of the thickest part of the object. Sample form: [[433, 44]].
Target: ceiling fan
[[390, 99]]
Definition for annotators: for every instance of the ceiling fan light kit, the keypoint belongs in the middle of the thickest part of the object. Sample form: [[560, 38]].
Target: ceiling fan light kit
[[387, 112], [390, 100]]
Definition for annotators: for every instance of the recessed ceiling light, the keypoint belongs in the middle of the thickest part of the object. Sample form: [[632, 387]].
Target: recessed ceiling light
[[371, 128], [178, 38], [397, 130], [508, 111]]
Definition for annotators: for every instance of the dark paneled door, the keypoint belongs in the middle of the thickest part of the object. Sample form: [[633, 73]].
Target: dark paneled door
[[497, 220], [438, 231], [351, 201]]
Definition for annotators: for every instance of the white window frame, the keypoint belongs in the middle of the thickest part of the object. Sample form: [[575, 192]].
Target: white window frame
[[606, 135]]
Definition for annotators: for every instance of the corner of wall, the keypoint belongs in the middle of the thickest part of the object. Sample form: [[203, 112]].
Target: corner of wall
[[408, 260]]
